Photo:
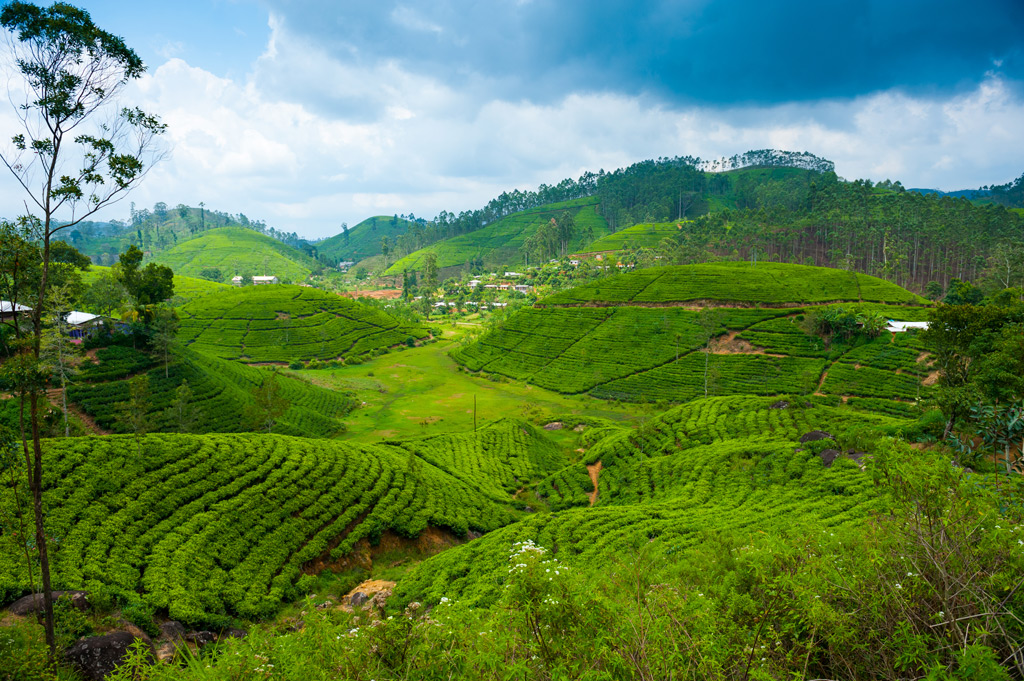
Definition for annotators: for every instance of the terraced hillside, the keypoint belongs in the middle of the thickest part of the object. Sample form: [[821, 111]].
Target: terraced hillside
[[284, 323], [646, 235], [363, 240], [728, 465], [236, 250], [764, 285], [222, 392], [639, 336], [500, 244], [204, 527]]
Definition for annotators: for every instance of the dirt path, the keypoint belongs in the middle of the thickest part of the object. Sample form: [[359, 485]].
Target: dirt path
[[56, 397], [594, 470]]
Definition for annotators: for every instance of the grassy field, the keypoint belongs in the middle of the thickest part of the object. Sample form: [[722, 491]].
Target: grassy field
[[236, 250], [421, 391], [283, 323], [500, 243]]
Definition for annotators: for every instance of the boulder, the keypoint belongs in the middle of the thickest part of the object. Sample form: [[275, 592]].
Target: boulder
[[34, 603], [172, 631], [554, 425], [201, 638], [97, 656], [232, 632], [816, 435], [828, 456], [781, 404], [357, 599]]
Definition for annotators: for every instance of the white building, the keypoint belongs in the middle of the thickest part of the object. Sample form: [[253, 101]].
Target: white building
[[900, 327]]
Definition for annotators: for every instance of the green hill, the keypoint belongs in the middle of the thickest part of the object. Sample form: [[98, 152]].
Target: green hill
[[236, 250], [283, 323], [638, 336], [221, 393], [732, 464], [206, 527], [363, 240], [186, 287], [646, 235], [500, 244]]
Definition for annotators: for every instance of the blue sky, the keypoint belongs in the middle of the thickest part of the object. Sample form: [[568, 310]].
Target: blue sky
[[308, 113]]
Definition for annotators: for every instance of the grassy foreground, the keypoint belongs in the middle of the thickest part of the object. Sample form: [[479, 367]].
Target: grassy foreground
[[421, 391]]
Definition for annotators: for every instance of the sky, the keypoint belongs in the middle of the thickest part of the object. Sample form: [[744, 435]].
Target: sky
[[310, 113]]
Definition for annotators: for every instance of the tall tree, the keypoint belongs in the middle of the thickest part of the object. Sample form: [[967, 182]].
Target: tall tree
[[75, 155], [269, 406]]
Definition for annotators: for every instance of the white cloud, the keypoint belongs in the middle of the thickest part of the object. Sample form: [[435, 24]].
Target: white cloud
[[306, 141]]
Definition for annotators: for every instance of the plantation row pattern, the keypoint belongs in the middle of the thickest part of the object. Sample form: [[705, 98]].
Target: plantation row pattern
[[206, 527], [722, 465], [285, 323]]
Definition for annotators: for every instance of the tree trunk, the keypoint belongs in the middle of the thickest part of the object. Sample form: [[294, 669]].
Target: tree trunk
[[36, 479]]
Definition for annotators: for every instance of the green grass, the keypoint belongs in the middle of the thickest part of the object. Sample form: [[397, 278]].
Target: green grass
[[236, 250], [284, 323], [500, 243], [648, 235], [421, 391], [364, 239]]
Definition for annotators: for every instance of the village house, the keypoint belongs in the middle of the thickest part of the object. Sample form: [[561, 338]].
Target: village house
[[10, 310], [83, 324], [257, 281], [901, 327]]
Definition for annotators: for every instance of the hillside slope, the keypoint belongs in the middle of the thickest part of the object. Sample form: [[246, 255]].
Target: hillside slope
[[722, 465], [236, 250], [639, 336], [205, 527], [222, 392], [500, 244], [644, 235], [363, 240], [283, 323]]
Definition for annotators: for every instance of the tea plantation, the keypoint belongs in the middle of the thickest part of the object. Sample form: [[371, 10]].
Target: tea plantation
[[719, 465], [284, 323], [644, 235], [236, 250], [500, 243], [639, 336], [212, 526], [221, 393]]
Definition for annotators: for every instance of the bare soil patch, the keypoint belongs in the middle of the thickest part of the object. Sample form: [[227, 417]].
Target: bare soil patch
[[931, 379], [379, 294], [594, 470]]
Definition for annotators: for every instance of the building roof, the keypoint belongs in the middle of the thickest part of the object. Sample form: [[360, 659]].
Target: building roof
[[269, 277], [5, 306], [900, 327], [75, 317]]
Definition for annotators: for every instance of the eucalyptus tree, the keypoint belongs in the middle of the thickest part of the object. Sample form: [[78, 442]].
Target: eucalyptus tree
[[77, 152]]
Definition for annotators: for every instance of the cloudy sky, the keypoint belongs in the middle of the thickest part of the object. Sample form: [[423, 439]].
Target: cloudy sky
[[308, 113]]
